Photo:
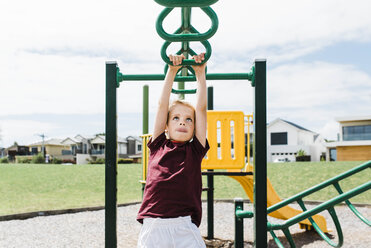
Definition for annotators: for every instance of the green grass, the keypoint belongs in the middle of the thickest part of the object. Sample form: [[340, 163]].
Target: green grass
[[27, 187]]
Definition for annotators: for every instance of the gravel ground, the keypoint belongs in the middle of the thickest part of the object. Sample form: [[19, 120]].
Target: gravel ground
[[86, 229]]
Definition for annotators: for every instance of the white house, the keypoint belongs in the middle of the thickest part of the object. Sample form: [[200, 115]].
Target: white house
[[285, 139]]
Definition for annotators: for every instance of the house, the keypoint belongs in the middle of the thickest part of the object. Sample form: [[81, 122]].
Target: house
[[54, 147], [79, 144], [125, 146], [2, 152], [354, 140], [285, 139], [15, 150], [85, 148]]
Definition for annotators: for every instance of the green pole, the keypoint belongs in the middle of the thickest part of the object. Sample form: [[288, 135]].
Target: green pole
[[210, 178], [110, 157], [145, 109], [186, 23], [260, 159], [145, 121], [238, 224]]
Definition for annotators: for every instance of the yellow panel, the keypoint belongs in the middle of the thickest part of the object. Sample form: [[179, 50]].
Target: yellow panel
[[225, 159]]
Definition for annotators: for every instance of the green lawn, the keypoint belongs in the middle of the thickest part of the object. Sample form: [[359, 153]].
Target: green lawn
[[27, 187]]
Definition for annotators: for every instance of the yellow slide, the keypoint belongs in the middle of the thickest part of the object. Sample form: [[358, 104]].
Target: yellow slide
[[284, 213]]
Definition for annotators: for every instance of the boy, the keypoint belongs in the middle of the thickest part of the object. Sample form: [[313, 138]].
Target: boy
[[171, 208]]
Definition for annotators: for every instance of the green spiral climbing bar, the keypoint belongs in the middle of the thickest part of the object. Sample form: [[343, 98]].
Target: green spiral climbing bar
[[186, 33]]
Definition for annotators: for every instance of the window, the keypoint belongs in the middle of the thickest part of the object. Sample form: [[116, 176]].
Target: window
[[333, 154], [357, 132], [139, 147], [279, 138]]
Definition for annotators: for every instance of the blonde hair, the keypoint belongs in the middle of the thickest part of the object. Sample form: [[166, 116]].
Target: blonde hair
[[180, 102]]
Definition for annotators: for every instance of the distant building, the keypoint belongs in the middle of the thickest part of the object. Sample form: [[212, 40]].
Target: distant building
[[354, 142], [285, 139], [53, 147], [15, 150], [85, 148]]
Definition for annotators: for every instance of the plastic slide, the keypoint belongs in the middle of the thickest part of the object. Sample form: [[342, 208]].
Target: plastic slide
[[284, 213]]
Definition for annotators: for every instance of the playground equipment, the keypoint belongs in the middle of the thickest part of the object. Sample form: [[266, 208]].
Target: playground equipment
[[257, 76], [309, 214], [226, 136]]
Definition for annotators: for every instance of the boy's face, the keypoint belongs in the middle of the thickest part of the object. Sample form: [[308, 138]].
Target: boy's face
[[181, 124]]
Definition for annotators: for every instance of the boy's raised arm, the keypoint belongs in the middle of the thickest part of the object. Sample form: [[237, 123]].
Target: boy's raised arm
[[201, 102], [163, 105]]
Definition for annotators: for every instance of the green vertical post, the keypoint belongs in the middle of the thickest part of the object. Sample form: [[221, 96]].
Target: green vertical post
[[210, 178], [238, 224], [145, 109], [110, 157], [145, 121], [260, 159], [186, 24]]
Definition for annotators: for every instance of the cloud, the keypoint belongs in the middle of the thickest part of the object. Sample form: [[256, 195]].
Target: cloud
[[23, 131], [52, 58]]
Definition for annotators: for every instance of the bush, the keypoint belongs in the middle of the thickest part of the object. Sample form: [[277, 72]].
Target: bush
[[125, 161], [24, 160], [4, 160], [97, 161], [56, 161], [38, 159]]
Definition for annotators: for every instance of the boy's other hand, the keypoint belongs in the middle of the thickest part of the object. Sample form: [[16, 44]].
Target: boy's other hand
[[199, 69]]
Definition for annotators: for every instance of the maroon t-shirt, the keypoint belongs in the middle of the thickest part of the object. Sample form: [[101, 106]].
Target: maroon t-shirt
[[174, 183]]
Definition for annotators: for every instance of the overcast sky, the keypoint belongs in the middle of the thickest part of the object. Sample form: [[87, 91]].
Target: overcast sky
[[53, 54]]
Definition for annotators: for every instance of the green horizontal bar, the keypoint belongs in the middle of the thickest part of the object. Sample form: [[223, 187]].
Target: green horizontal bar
[[244, 214], [185, 3], [324, 206], [183, 91], [319, 186], [209, 76]]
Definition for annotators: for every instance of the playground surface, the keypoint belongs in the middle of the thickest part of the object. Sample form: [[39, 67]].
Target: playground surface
[[86, 229]]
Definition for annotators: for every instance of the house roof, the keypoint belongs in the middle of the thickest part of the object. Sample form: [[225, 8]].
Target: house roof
[[69, 141], [80, 137], [290, 123], [349, 143], [353, 118], [100, 139], [297, 126], [56, 142]]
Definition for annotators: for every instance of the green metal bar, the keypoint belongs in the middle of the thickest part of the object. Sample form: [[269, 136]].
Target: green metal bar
[[260, 161], [187, 36], [244, 214], [315, 226], [110, 157], [238, 224], [324, 206], [351, 206], [161, 77], [166, 59], [145, 120], [275, 238], [288, 236], [320, 186], [145, 108], [186, 24], [210, 178], [186, 3], [183, 91]]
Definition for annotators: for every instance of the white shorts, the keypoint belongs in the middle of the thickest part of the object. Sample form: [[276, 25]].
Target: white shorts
[[170, 233]]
